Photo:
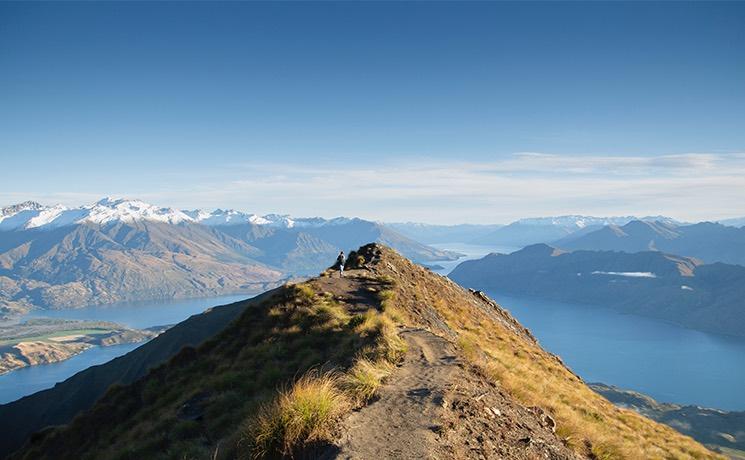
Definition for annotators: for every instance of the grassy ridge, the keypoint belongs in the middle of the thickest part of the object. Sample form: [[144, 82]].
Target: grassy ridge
[[504, 351], [220, 400]]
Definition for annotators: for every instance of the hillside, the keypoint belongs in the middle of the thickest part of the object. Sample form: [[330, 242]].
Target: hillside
[[58, 405], [307, 249], [676, 289], [87, 264], [123, 250], [391, 361], [715, 428], [707, 241]]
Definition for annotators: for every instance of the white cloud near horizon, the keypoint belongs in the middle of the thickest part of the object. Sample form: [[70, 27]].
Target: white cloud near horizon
[[692, 187]]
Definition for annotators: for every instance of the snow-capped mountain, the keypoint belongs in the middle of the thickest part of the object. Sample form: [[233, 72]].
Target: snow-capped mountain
[[225, 217], [100, 253], [30, 214]]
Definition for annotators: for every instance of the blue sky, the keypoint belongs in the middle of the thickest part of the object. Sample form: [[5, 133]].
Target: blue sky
[[435, 112]]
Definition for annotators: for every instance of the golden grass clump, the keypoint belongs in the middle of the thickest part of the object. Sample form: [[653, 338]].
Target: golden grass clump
[[364, 379], [304, 414]]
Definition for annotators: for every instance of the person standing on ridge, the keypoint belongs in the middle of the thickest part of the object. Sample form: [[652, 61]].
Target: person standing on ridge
[[340, 260]]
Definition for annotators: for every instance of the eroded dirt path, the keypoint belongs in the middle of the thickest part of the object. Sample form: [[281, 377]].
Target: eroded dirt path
[[403, 422], [436, 407]]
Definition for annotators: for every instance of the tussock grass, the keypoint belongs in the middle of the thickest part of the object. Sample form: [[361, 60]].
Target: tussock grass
[[304, 414], [364, 379], [307, 413]]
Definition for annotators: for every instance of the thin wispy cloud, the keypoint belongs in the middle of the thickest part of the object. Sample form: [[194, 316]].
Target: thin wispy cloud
[[695, 186]]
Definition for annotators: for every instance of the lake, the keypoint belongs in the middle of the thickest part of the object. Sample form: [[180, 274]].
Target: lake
[[142, 314], [664, 361], [471, 251], [667, 362], [28, 380]]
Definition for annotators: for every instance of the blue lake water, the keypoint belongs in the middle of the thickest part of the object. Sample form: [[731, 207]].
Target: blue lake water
[[471, 251], [28, 380], [664, 361], [140, 315]]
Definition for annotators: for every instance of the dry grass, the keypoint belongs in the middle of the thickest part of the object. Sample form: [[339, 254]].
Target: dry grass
[[587, 422], [307, 413], [364, 379], [302, 415]]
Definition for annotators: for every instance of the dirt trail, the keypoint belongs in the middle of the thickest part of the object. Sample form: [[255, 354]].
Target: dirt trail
[[402, 424], [436, 407]]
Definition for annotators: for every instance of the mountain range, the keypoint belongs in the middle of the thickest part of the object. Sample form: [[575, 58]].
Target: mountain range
[[120, 250], [673, 288], [525, 232], [710, 242], [390, 361]]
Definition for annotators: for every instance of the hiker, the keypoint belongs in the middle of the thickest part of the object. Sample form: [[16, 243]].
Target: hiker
[[340, 260]]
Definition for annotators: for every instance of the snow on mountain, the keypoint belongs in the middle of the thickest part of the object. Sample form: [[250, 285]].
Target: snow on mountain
[[225, 217], [109, 210], [31, 214]]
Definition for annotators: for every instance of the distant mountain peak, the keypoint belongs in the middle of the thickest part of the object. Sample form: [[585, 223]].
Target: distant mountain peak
[[580, 221], [25, 206]]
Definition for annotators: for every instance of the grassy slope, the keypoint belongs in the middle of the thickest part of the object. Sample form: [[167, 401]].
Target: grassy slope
[[209, 401], [200, 402], [58, 405], [505, 351]]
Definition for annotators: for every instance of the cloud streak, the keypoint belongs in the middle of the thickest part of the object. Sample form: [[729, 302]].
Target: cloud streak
[[695, 186]]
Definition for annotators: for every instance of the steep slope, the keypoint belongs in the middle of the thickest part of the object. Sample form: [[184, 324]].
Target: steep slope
[[475, 382], [88, 264], [650, 283], [707, 241], [58, 405], [715, 428]]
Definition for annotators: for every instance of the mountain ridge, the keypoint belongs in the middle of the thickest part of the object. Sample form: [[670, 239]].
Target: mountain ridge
[[489, 389], [708, 241], [120, 250], [681, 290]]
